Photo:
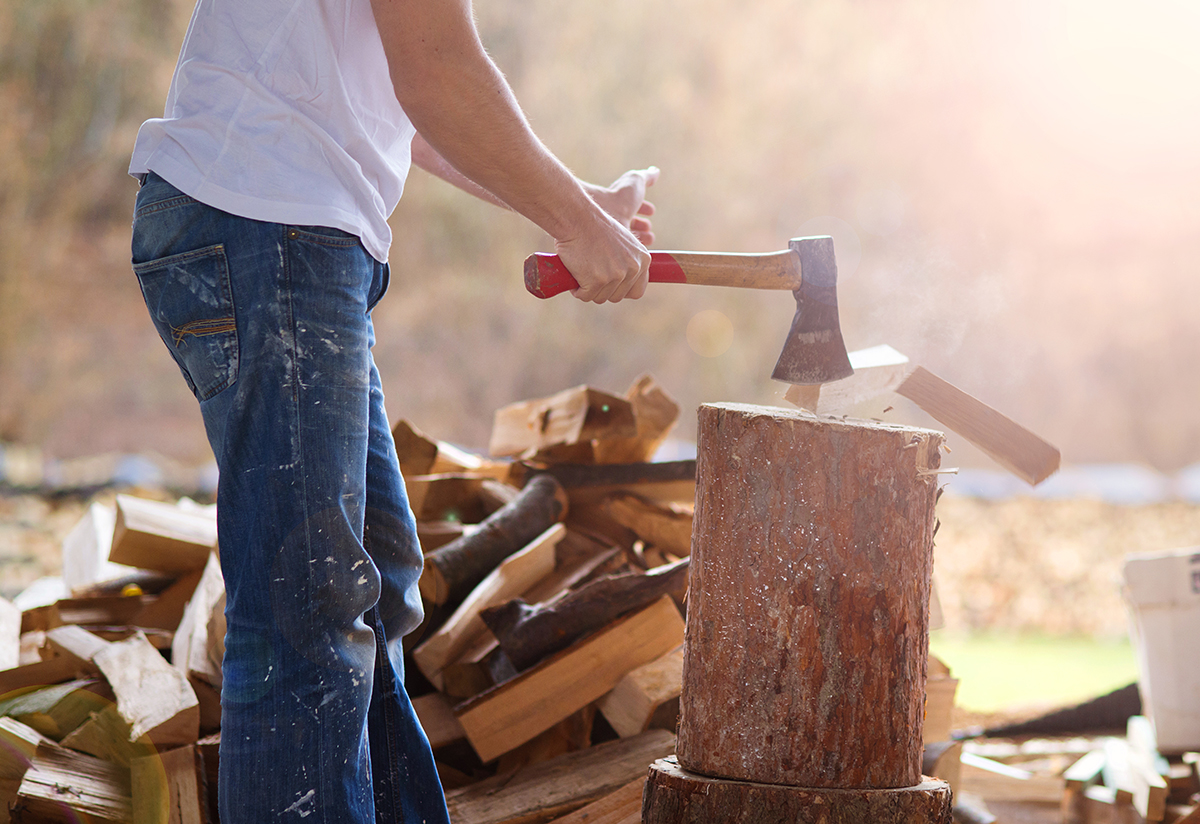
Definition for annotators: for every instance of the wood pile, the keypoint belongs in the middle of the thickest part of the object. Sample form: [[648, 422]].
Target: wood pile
[[1081, 780], [547, 673]]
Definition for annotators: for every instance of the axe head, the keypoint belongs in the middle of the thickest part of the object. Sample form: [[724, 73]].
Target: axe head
[[814, 352]]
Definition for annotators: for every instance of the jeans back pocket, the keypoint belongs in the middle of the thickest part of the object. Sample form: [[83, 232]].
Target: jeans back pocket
[[191, 304]]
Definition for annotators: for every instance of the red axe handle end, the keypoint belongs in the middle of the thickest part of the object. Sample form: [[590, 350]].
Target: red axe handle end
[[546, 276]]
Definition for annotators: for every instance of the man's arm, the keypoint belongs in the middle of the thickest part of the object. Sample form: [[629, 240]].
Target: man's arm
[[625, 199], [463, 107]]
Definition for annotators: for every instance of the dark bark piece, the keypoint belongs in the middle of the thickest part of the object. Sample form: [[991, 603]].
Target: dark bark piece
[[807, 632], [578, 476], [675, 796], [1108, 712], [452, 571], [527, 634]]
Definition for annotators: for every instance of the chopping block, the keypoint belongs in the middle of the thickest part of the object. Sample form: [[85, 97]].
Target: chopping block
[[808, 624]]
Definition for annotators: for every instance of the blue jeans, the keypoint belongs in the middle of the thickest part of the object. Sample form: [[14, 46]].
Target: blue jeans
[[271, 327]]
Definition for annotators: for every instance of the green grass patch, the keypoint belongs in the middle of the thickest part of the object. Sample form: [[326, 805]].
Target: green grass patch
[[996, 672]]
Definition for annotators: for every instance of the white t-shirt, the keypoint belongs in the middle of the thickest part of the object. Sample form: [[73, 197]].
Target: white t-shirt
[[284, 111]]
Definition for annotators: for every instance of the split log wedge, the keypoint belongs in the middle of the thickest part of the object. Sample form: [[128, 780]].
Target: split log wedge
[[452, 571], [527, 634]]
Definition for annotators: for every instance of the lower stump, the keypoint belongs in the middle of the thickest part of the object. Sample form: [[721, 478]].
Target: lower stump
[[675, 796]]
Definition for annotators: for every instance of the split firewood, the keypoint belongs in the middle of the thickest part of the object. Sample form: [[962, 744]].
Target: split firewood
[[943, 759], [571, 734], [514, 712], [420, 454], [190, 650], [18, 745], [166, 610], [994, 781], [667, 527], [1008, 443], [515, 574], [153, 697], [454, 570], [561, 785], [107, 735], [56, 710], [76, 643], [162, 536], [655, 414], [10, 634], [528, 634], [170, 788], [101, 610], [622, 806], [568, 417], [436, 715], [877, 370], [646, 697], [40, 673], [65, 786]]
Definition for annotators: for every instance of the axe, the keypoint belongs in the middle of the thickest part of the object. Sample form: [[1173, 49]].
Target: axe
[[814, 352]]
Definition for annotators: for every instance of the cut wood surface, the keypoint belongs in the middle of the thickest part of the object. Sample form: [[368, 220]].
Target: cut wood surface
[[568, 417], [170, 788], [76, 643], [1005, 441], [452, 571], [943, 759], [421, 454], [514, 712], [675, 796], [655, 414], [647, 696], [808, 605], [513, 576], [65, 786], [939, 707], [86, 548], [528, 634], [666, 527], [162, 536], [153, 697], [56, 710], [623, 806], [106, 734], [558, 786]]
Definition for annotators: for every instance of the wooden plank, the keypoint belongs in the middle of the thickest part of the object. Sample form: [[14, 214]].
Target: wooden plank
[[170, 788], [153, 697], [514, 712], [64, 786], [1008, 443], [655, 413], [436, 715], [623, 806], [877, 370], [162, 536], [515, 574], [645, 692], [558, 786], [573, 415], [666, 527]]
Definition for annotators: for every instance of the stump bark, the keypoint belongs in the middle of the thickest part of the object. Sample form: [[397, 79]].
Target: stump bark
[[807, 631]]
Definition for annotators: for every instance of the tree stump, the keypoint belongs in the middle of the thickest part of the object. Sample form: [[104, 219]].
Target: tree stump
[[807, 629], [672, 794]]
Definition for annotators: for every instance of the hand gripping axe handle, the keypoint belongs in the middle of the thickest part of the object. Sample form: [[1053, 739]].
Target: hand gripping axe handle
[[814, 351]]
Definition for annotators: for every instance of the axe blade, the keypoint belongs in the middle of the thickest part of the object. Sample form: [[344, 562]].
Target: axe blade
[[814, 352]]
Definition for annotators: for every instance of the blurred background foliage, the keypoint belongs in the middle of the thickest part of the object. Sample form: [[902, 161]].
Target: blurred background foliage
[[1009, 184]]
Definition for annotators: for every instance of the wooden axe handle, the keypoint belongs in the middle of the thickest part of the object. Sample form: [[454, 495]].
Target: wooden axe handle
[[546, 276]]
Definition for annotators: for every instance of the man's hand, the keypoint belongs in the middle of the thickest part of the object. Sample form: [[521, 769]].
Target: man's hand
[[626, 201], [608, 262]]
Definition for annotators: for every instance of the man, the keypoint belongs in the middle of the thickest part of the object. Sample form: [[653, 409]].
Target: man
[[260, 243]]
